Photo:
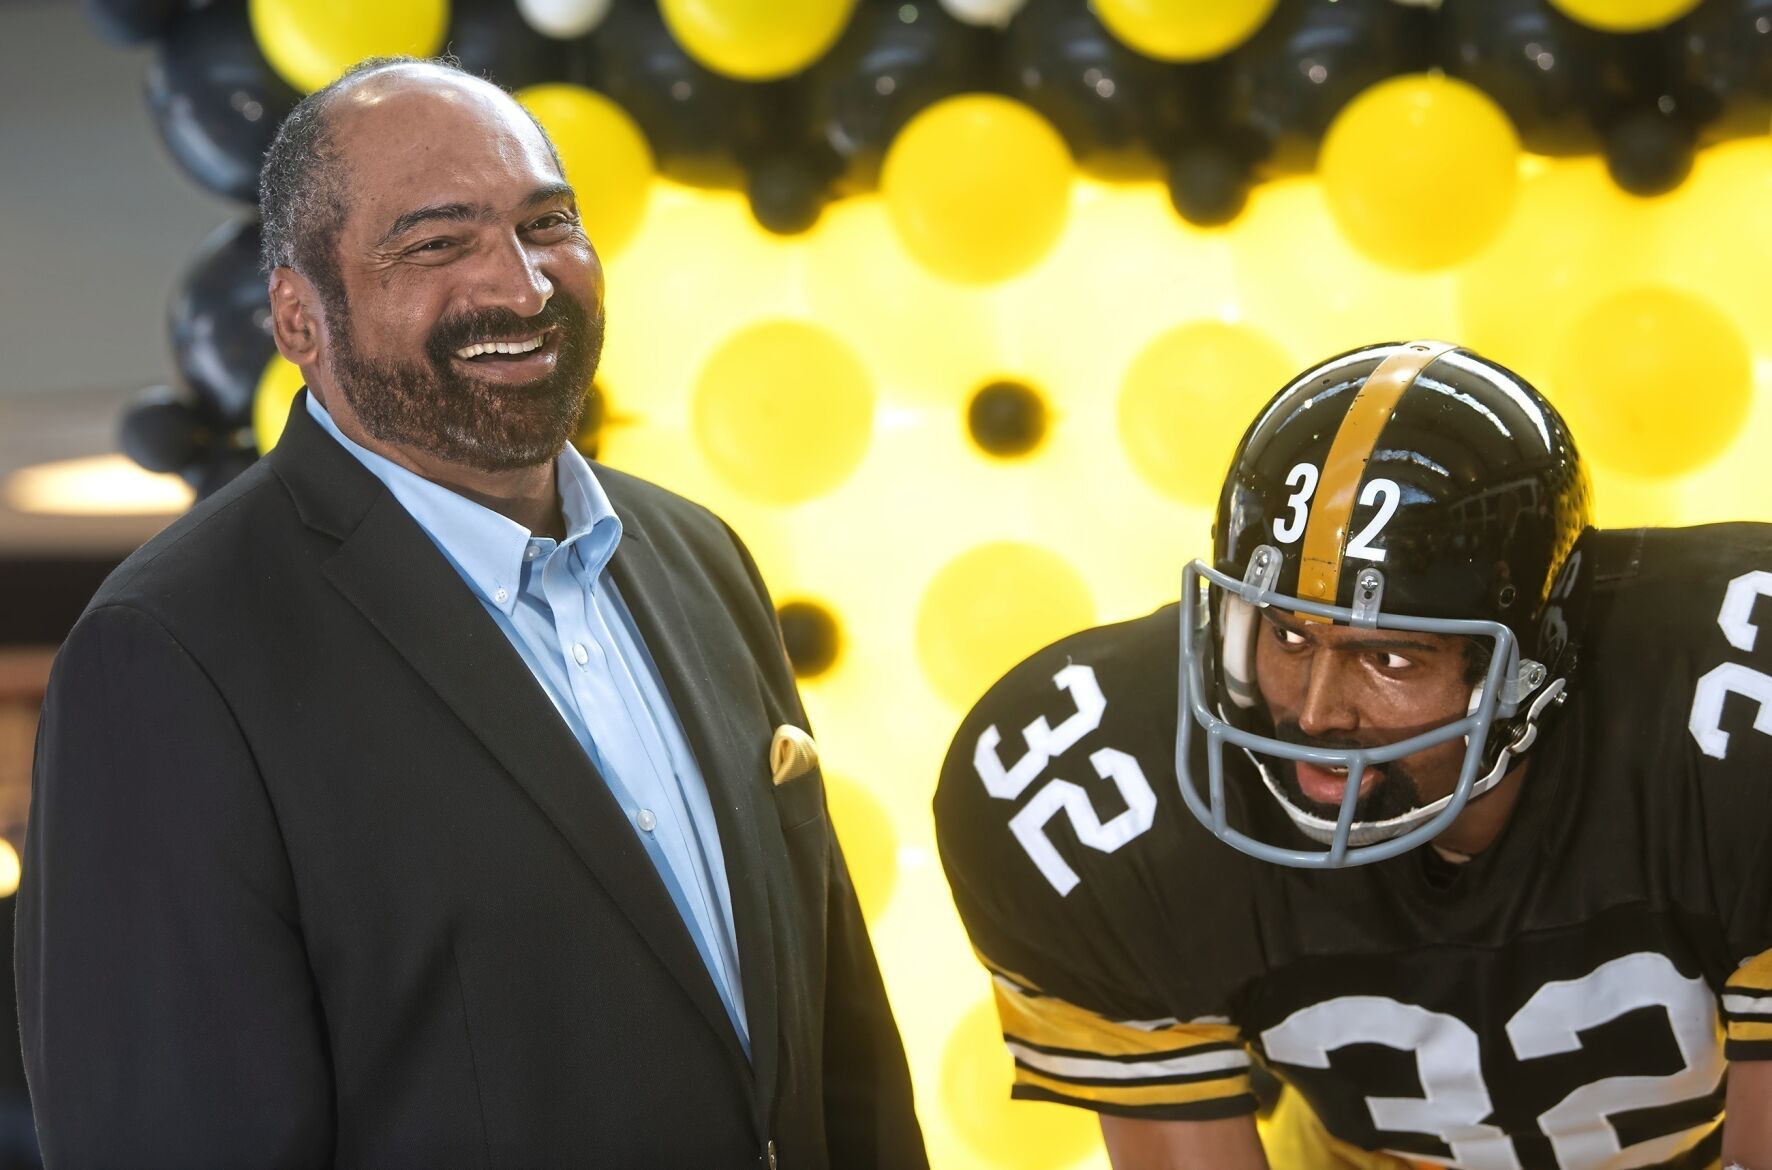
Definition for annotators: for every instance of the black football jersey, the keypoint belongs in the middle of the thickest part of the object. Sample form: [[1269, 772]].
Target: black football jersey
[[1567, 1000]]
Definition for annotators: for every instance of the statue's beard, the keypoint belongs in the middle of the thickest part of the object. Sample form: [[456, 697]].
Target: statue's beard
[[1394, 793]]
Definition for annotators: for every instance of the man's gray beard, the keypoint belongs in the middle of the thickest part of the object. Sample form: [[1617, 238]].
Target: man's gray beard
[[428, 406]]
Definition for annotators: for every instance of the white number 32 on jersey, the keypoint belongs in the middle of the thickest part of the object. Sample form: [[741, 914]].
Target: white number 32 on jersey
[[1046, 743], [1736, 621]]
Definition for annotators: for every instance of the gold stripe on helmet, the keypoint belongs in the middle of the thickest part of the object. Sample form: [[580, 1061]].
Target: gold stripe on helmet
[[1326, 531]]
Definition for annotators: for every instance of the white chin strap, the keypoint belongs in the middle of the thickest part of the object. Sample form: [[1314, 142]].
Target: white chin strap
[[1370, 832]]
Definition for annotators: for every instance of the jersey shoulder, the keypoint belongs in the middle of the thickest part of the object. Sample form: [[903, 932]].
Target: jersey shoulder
[[1060, 828], [1056, 818], [1115, 680], [1663, 614], [1665, 588], [1674, 687], [1043, 721]]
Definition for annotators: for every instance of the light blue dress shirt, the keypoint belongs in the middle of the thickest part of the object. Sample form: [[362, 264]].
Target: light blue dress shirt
[[559, 607]]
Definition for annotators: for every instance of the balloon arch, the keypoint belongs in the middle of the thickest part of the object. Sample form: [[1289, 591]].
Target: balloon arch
[[969, 118]]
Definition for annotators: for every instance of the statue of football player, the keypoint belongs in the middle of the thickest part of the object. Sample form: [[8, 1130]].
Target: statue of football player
[[1445, 808]]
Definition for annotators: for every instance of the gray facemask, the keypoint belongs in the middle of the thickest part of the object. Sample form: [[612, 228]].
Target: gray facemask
[[1508, 683]]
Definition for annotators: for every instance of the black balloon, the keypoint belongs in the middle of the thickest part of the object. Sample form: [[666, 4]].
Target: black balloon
[[789, 188], [1118, 110], [1725, 65], [218, 467], [1542, 68], [163, 431], [1208, 183], [810, 635], [492, 40], [699, 124], [221, 323], [1285, 84], [131, 21], [893, 60], [1649, 151], [1006, 419], [215, 100]]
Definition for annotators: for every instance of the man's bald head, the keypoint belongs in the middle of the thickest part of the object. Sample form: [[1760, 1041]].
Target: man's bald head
[[303, 186]]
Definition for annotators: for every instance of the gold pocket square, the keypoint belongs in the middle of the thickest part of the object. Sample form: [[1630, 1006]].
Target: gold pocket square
[[791, 753]]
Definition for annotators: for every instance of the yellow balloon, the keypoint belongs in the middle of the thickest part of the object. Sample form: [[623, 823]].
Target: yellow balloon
[[784, 411], [976, 1072], [989, 608], [1299, 279], [1625, 15], [756, 40], [277, 388], [869, 846], [1654, 382], [1574, 239], [697, 269], [1183, 30], [311, 42], [1187, 399], [1623, 501], [978, 187], [605, 154], [1420, 171], [1718, 234], [927, 339]]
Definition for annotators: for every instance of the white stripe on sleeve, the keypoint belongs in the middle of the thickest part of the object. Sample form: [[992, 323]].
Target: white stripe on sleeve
[[1748, 1005], [1223, 1061]]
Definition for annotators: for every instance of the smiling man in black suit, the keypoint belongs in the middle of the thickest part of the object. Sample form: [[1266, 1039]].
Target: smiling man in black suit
[[409, 803]]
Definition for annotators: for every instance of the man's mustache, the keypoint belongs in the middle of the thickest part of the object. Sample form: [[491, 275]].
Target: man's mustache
[[1293, 734], [563, 314], [1290, 732]]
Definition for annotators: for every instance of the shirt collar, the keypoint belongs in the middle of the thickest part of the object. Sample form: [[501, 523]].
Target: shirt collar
[[486, 548]]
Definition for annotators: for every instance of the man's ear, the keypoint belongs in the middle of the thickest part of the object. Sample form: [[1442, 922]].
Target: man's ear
[[295, 317]]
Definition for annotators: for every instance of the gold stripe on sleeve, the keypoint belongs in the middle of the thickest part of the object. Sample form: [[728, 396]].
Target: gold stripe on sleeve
[[1184, 1094], [1749, 1032], [1053, 1023], [1753, 975]]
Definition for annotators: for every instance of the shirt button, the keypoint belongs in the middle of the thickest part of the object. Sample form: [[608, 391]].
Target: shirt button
[[501, 595], [579, 654], [646, 820], [530, 553]]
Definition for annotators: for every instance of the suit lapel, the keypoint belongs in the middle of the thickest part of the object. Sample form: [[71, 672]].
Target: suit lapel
[[703, 689], [391, 571]]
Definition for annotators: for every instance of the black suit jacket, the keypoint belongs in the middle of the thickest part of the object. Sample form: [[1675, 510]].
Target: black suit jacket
[[317, 876]]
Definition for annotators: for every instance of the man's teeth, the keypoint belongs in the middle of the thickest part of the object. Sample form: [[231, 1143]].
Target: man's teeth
[[479, 348]]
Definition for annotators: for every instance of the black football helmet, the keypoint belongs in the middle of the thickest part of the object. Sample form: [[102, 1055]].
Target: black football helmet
[[1401, 486]]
